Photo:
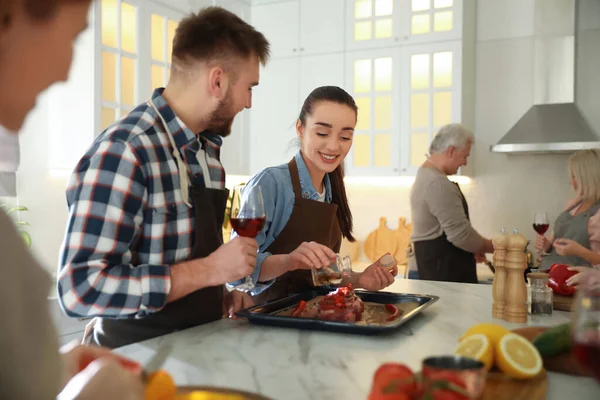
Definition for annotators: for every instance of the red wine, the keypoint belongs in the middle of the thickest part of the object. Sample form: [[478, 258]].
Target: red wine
[[541, 228], [247, 227], [588, 356]]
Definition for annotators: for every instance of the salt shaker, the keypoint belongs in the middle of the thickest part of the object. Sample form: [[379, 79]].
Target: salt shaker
[[387, 261], [540, 295]]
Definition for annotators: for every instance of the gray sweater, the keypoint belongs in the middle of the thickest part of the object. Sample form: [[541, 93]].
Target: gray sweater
[[30, 366], [436, 208]]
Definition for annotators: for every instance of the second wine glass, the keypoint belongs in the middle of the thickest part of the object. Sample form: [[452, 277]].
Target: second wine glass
[[540, 222], [248, 221], [586, 326]]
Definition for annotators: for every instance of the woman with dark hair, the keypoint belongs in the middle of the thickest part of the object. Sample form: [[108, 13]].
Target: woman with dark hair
[[306, 207], [31, 367]]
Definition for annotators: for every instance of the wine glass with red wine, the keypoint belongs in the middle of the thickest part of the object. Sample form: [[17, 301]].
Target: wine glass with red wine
[[248, 221], [586, 327], [540, 222]]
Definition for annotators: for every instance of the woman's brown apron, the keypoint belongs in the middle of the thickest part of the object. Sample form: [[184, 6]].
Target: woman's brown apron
[[311, 221]]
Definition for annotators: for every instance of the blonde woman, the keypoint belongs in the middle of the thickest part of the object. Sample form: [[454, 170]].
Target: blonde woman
[[576, 236]]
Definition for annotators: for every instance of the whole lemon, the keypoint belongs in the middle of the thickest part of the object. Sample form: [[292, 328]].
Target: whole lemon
[[494, 332]]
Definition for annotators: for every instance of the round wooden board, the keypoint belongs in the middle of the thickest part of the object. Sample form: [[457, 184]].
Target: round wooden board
[[208, 390], [382, 240], [501, 387], [403, 233]]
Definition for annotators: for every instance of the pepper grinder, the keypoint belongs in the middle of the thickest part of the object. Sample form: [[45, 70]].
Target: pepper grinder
[[500, 243], [515, 291]]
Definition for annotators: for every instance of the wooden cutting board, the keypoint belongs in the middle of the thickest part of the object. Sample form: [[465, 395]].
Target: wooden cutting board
[[382, 240], [562, 303], [500, 387], [563, 363], [350, 249], [403, 233]]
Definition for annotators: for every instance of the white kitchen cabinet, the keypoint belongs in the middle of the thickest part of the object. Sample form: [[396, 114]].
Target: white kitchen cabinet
[[322, 26], [432, 21], [373, 78], [384, 23], [133, 54], [284, 85], [431, 97], [239, 7], [373, 23], [118, 61], [280, 24], [296, 28]]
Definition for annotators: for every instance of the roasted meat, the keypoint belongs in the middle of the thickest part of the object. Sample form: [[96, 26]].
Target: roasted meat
[[341, 305]]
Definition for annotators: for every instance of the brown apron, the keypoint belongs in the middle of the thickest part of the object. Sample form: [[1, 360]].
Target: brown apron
[[439, 260], [200, 307], [311, 221]]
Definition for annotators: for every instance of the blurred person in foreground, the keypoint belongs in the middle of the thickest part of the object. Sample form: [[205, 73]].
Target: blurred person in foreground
[[31, 366]]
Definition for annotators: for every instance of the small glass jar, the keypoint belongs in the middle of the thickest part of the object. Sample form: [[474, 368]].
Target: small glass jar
[[337, 273], [539, 294]]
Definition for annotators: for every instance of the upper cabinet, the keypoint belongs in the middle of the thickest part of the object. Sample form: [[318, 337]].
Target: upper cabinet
[[134, 43], [384, 23], [119, 59], [373, 78], [373, 23], [321, 26], [301, 27], [432, 20], [431, 97]]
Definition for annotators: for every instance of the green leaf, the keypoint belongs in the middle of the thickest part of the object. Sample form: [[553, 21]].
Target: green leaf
[[22, 223], [17, 208], [26, 238]]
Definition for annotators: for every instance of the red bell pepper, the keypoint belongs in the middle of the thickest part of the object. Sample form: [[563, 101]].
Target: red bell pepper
[[558, 276], [394, 310], [299, 308]]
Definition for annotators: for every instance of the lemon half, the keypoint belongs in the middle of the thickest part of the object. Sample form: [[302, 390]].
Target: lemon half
[[517, 357], [477, 346]]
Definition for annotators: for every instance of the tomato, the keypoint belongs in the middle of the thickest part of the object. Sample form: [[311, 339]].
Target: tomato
[[393, 309], [393, 378], [126, 363], [299, 308]]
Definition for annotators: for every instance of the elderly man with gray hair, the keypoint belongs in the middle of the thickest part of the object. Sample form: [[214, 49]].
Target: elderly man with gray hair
[[445, 243]]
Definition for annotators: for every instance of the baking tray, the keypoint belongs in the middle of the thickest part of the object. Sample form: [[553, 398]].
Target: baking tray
[[266, 314]]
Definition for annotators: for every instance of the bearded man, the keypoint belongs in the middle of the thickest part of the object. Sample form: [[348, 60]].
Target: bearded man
[[143, 251]]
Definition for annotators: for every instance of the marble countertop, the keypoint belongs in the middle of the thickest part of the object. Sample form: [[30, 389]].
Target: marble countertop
[[288, 364]]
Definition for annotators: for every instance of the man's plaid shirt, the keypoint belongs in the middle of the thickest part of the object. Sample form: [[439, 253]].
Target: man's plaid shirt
[[127, 220]]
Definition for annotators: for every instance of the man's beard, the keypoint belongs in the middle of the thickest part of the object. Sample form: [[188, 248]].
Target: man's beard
[[222, 118]]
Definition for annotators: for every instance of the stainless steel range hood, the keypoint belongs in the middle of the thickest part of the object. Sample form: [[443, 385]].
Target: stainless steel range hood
[[555, 123]]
